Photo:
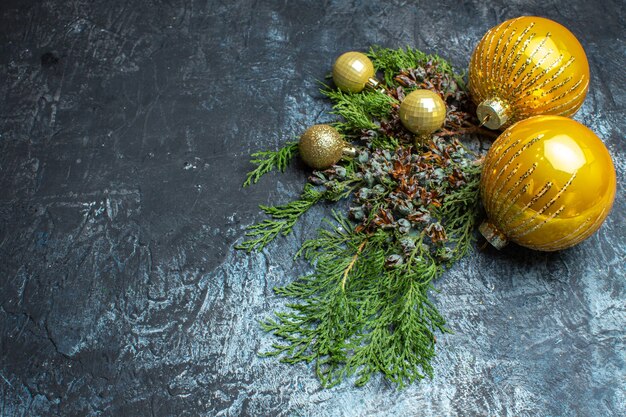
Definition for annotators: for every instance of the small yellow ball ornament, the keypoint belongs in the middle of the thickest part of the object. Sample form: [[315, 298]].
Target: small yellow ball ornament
[[525, 67], [321, 146], [422, 112], [353, 71], [548, 183]]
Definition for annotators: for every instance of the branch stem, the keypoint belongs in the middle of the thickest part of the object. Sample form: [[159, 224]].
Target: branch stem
[[467, 130], [351, 264]]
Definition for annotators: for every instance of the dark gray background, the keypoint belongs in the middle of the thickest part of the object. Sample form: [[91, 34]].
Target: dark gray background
[[125, 130]]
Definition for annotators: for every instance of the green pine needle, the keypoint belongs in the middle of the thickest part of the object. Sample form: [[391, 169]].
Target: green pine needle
[[357, 109], [355, 316], [392, 61], [384, 142], [282, 220], [267, 161], [461, 208]]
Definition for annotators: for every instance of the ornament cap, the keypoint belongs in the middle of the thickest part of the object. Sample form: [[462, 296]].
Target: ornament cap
[[421, 139], [493, 235], [374, 84], [493, 113], [348, 151]]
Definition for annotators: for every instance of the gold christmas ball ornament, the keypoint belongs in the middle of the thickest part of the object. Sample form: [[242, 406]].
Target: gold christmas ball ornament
[[548, 183], [353, 71], [525, 67], [422, 112], [322, 146]]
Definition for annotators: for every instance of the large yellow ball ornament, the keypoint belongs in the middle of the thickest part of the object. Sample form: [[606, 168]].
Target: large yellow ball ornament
[[353, 71], [422, 112], [525, 67], [548, 183]]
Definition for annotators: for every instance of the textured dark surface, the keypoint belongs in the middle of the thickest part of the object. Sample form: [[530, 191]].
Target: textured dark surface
[[124, 134]]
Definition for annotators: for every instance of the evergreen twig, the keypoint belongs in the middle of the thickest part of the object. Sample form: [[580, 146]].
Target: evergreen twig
[[267, 161], [358, 109], [282, 219], [392, 61], [382, 322]]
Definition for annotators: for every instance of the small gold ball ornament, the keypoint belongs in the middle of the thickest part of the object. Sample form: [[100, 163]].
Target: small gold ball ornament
[[321, 146], [353, 71], [525, 67], [548, 183], [423, 112]]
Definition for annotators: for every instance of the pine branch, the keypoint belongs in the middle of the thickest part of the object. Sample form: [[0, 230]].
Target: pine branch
[[283, 219], [358, 109], [381, 322], [365, 308], [267, 161], [384, 142], [346, 272], [392, 61], [360, 314], [461, 208]]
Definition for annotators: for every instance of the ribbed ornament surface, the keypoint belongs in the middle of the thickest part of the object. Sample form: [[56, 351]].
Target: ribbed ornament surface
[[548, 183], [532, 66]]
